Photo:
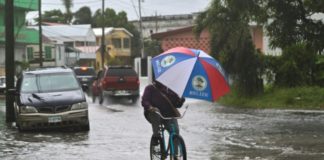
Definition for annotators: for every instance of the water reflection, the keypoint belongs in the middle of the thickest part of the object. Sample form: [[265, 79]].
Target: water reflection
[[120, 131]]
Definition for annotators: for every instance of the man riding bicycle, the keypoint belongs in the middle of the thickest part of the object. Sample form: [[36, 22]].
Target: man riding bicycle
[[157, 97]]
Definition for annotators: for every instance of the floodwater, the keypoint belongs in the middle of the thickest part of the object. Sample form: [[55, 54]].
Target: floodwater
[[119, 131]]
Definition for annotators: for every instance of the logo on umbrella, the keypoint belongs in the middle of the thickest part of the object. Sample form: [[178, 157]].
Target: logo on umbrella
[[168, 61], [199, 83]]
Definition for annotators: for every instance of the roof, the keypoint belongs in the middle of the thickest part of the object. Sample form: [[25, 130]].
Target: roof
[[69, 33], [161, 35], [52, 24], [98, 31], [88, 49], [108, 30]]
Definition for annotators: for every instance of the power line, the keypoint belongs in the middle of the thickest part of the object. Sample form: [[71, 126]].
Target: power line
[[134, 8]]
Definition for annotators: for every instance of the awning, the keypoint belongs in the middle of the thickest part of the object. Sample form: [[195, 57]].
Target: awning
[[71, 49]]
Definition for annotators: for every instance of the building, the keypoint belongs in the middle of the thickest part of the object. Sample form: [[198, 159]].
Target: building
[[23, 36], [186, 38], [72, 44], [183, 37], [48, 52], [118, 45], [157, 24]]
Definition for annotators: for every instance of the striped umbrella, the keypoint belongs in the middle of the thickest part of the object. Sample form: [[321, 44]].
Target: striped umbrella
[[191, 73]]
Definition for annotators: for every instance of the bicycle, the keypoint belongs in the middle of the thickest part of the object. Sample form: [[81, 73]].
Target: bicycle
[[176, 147]]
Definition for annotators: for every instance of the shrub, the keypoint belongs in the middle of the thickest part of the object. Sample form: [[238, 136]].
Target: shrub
[[296, 66]]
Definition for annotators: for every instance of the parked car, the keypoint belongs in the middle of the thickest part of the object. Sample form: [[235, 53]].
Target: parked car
[[116, 81], [2, 84], [86, 76], [50, 98]]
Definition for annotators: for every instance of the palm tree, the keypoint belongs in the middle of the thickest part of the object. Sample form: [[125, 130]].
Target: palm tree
[[68, 14]]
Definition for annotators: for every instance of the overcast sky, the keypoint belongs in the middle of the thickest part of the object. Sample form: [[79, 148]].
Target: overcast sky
[[149, 7]]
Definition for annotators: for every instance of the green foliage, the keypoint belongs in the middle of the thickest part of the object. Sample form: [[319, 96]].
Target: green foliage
[[83, 16], [112, 19], [152, 48], [54, 16], [271, 64], [68, 15], [296, 66], [319, 70], [295, 98], [231, 42], [292, 22]]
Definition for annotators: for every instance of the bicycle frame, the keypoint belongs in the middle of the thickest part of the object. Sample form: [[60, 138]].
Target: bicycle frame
[[172, 133]]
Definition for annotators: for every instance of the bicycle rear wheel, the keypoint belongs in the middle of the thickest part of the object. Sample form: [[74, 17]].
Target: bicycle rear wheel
[[157, 148], [180, 152]]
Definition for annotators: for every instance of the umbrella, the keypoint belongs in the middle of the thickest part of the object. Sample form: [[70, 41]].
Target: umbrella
[[190, 73]]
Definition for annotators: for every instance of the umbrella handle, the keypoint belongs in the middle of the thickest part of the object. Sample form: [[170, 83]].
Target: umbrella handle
[[168, 118]]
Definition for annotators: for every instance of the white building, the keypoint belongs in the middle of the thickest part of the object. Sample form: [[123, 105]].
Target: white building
[[73, 43], [157, 24]]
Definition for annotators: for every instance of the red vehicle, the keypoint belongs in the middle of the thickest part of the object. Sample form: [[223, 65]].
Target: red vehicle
[[116, 81]]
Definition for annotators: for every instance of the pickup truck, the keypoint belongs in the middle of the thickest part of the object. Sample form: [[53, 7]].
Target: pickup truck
[[116, 81]]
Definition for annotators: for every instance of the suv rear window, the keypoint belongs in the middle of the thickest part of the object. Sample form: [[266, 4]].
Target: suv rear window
[[121, 72], [84, 71]]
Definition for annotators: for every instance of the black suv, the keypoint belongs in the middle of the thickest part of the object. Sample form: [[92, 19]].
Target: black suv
[[86, 76], [50, 98]]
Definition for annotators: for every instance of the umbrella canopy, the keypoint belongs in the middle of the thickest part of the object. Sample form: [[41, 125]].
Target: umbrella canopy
[[191, 73]]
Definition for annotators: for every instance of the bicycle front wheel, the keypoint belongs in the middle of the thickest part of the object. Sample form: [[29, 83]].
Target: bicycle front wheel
[[180, 152], [157, 148]]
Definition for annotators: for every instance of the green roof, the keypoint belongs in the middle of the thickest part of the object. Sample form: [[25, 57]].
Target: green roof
[[25, 35], [30, 5]]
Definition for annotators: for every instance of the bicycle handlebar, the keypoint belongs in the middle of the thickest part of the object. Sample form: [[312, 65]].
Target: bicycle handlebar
[[168, 118]]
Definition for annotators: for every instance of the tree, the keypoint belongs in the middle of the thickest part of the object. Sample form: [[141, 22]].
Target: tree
[[152, 47], [293, 22], [83, 16], [111, 18], [228, 23], [54, 16], [68, 13]]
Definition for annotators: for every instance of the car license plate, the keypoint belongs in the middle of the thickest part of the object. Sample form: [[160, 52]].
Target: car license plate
[[84, 79], [122, 92], [54, 119]]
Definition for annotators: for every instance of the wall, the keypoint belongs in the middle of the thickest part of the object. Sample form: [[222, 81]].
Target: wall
[[187, 39]]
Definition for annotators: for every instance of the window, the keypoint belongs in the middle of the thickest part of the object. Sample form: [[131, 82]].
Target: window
[[69, 44], [30, 53], [60, 56], [116, 42], [126, 43], [48, 52], [79, 43], [49, 83]]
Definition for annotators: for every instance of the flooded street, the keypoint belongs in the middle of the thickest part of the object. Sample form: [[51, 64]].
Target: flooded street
[[119, 131]]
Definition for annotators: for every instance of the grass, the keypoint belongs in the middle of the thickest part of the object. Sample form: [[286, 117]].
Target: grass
[[279, 98]]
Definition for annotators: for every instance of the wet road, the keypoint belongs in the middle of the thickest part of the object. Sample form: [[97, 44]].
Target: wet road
[[119, 131]]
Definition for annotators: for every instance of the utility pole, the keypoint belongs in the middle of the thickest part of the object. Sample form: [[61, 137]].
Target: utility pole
[[141, 29], [40, 33], [156, 22], [10, 59], [103, 46]]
